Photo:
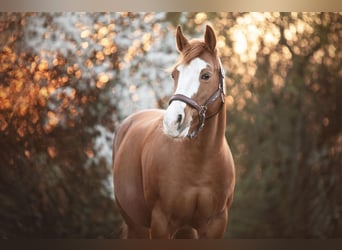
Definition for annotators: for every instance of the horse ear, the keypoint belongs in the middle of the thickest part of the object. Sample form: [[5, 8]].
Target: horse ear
[[210, 38], [182, 41]]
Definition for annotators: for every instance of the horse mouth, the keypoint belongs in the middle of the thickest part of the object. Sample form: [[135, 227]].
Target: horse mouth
[[175, 132]]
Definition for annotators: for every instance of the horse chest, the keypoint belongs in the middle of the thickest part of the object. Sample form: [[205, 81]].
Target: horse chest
[[193, 204], [188, 194]]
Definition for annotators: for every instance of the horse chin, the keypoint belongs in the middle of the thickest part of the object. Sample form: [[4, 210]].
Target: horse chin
[[183, 133], [175, 133]]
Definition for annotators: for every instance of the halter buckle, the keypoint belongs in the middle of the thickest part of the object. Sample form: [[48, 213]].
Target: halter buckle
[[203, 111]]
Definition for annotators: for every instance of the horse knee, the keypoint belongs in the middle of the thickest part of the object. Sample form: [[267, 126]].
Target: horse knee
[[215, 228], [159, 225]]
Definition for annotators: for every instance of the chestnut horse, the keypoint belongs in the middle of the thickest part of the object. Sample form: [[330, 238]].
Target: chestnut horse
[[173, 170]]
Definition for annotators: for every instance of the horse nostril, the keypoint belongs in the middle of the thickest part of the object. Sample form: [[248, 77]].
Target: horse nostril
[[179, 119]]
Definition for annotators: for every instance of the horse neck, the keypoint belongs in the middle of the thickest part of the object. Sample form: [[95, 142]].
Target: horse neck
[[213, 133]]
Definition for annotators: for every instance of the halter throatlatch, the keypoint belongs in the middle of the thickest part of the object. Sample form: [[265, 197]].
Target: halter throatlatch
[[202, 109]]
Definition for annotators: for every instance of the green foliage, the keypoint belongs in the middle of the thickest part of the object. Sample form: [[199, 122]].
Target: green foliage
[[287, 138], [48, 186]]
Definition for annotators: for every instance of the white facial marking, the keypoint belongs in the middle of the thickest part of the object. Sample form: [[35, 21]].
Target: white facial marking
[[188, 81], [188, 85]]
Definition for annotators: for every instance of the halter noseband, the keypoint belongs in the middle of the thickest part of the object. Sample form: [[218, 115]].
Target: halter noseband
[[202, 109]]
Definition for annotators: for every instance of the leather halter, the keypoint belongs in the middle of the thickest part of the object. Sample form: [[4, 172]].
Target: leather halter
[[202, 109]]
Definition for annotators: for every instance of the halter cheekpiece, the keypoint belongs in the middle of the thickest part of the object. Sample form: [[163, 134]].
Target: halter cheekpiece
[[202, 109]]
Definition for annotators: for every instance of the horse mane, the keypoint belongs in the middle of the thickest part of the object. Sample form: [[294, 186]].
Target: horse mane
[[195, 49]]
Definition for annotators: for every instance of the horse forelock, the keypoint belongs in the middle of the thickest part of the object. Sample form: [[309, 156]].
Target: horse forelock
[[196, 49]]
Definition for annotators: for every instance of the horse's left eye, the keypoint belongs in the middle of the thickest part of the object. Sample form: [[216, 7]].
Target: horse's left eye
[[205, 76]]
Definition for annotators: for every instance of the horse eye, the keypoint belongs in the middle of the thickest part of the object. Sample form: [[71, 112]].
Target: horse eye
[[205, 76], [173, 76]]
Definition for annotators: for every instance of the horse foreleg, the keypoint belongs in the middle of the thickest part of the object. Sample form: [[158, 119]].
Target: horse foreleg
[[160, 225], [215, 228]]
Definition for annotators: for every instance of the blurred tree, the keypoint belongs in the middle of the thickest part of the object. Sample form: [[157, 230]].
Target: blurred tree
[[45, 141], [59, 73], [284, 87]]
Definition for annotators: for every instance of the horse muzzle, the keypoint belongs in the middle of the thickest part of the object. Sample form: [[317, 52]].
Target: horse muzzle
[[175, 123]]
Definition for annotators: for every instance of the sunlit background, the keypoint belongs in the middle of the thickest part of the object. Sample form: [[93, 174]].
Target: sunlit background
[[67, 80]]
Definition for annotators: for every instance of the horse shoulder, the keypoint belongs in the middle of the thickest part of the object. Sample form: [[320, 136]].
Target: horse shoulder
[[127, 169], [230, 173], [222, 176]]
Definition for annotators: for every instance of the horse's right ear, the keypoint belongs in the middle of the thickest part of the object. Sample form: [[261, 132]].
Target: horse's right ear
[[182, 41]]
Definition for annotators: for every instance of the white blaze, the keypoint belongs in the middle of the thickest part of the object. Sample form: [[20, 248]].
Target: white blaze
[[188, 85]]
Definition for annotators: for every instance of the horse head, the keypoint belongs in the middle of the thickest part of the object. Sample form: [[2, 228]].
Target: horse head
[[198, 80]]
